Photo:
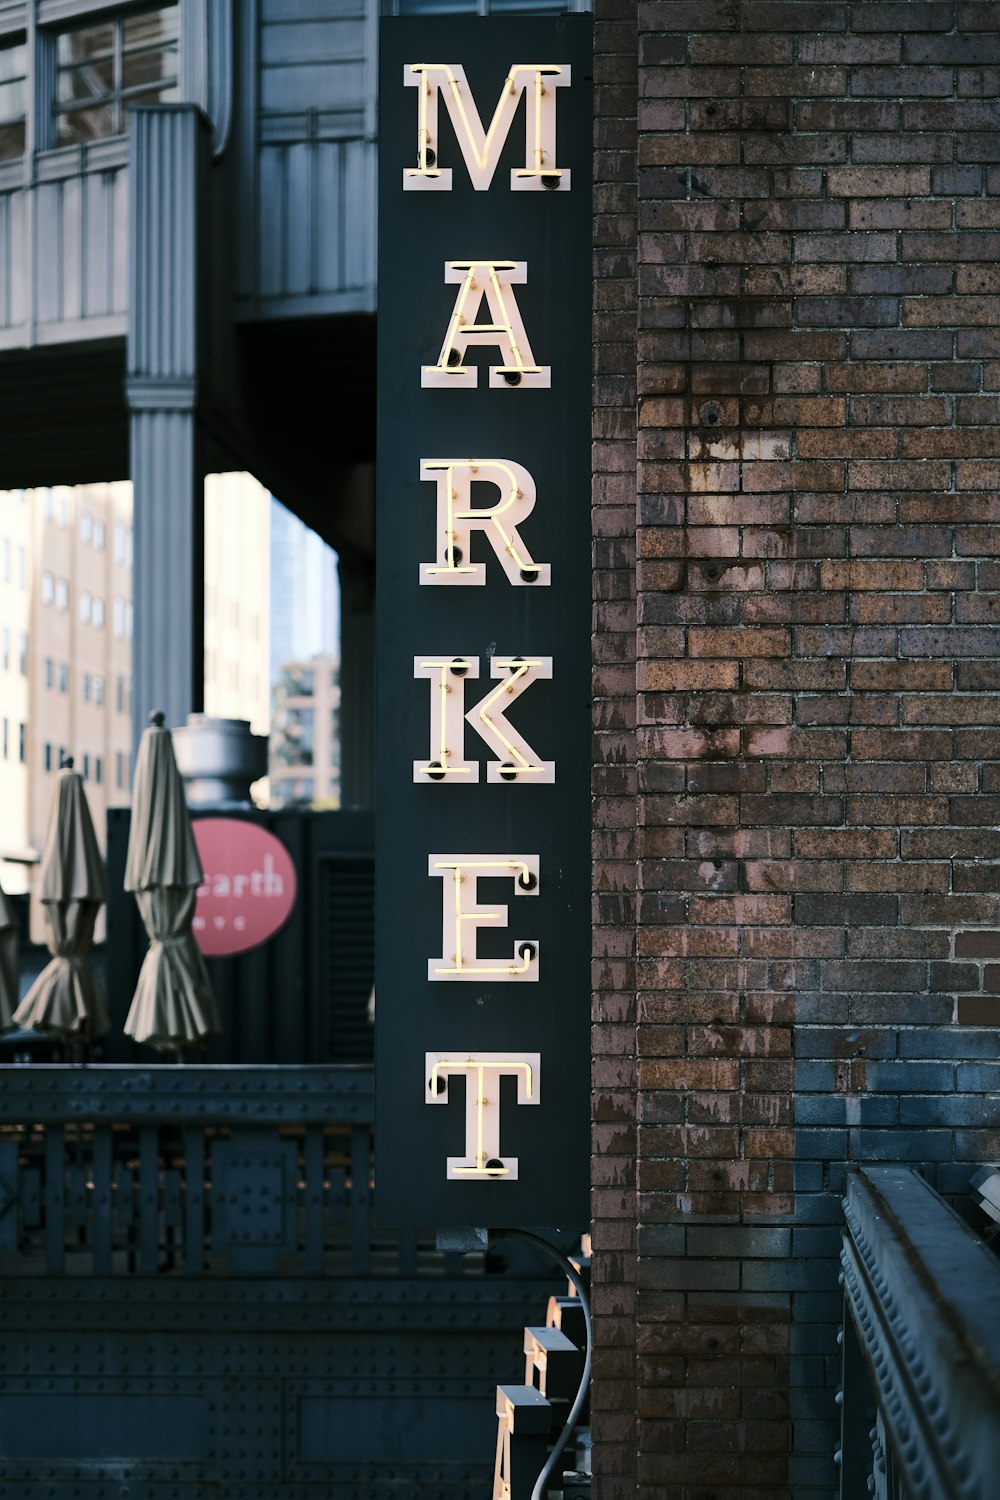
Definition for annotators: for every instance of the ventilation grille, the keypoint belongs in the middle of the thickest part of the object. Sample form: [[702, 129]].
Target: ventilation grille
[[348, 887]]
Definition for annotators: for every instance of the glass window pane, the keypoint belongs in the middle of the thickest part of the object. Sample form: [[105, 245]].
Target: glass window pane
[[153, 65], [151, 28], [85, 125], [12, 101], [11, 141], [130, 60], [13, 62], [94, 80], [85, 43]]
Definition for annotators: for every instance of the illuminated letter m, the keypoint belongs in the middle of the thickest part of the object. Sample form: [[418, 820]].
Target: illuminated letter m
[[481, 148]]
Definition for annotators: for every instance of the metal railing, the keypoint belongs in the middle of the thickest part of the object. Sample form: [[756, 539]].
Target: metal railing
[[921, 1346], [175, 1170]]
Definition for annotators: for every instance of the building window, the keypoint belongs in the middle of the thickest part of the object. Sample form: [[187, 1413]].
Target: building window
[[119, 541], [86, 768], [98, 770], [48, 588], [99, 536], [97, 613], [118, 618], [99, 691], [22, 653], [22, 743], [102, 70], [47, 755], [63, 512], [50, 672], [63, 677], [298, 682], [62, 594], [86, 687], [85, 607], [22, 569], [13, 62]]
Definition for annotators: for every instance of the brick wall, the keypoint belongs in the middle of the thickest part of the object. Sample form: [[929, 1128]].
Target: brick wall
[[799, 271], [614, 1209]]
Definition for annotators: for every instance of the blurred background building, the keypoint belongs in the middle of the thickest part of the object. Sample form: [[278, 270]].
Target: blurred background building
[[305, 734], [65, 657], [66, 618]]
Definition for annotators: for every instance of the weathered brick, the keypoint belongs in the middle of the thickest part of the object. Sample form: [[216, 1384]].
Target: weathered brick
[[903, 15], [810, 788], [899, 213], [977, 944], [921, 147], [979, 1010]]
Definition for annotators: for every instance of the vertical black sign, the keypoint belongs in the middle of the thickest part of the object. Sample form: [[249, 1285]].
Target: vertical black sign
[[483, 611]]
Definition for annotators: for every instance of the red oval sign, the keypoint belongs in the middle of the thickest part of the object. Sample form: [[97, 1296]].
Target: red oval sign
[[249, 886]]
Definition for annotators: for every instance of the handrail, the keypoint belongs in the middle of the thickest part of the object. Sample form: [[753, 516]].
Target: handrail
[[175, 1170], [164, 1092], [921, 1386]]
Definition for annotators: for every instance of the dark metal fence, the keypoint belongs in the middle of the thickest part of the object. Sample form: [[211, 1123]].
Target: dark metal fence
[[921, 1355], [199, 1302], [196, 1171]]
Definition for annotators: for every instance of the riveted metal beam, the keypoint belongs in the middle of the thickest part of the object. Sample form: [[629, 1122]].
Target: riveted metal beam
[[923, 1296]]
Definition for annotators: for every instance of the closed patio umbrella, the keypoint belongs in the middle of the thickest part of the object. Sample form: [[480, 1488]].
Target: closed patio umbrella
[[66, 998], [9, 987], [173, 1006]]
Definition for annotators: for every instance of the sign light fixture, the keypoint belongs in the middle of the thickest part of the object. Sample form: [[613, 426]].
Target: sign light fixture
[[463, 916], [516, 760], [457, 518], [482, 1072], [481, 148], [493, 280]]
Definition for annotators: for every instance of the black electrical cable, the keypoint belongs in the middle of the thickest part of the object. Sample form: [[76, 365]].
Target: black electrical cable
[[573, 1276]]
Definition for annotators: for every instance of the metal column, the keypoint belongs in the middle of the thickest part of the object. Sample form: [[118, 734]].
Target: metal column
[[169, 155]]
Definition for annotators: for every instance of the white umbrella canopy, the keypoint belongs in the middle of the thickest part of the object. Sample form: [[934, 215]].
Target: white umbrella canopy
[[66, 999], [173, 1006], [9, 987]]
